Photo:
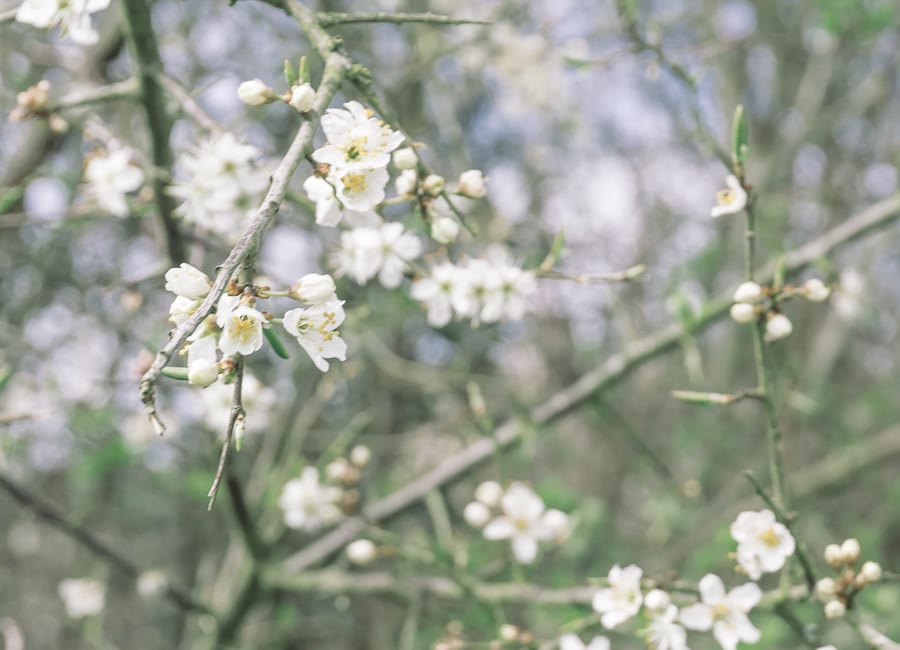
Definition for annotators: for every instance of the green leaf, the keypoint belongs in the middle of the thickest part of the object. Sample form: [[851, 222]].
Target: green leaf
[[303, 70], [175, 372], [290, 75], [276, 343], [778, 277], [739, 148], [556, 250]]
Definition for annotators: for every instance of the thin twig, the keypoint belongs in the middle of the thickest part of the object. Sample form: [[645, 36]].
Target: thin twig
[[89, 540], [127, 89], [331, 18], [249, 531], [589, 385], [237, 413], [637, 272], [188, 104]]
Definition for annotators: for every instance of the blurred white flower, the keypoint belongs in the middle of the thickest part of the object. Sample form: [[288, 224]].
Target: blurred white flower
[[444, 230], [152, 583], [360, 456], [509, 292], [242, 330], [572, 642], [476, 514], [187, 281], [471, 184], [763, 543], [871, 572], [622, 599], [406, 182], [743, 313], [835, 609], [362, 552], [725, 613], [815, 290], [307, 504], [524, 521], [731, 200], [850, 550], [778, 327], [73, 16], [315, 329], [356, 139], [433, 184], [110, 177], [329, 211], [181, 309], [748, 292], [203, 367], [384, 251], [436, 291], [82, 597], [489, 493], [657, 601], [664, 632]]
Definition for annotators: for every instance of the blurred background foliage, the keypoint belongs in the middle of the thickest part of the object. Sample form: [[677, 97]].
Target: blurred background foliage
[[577, 129]]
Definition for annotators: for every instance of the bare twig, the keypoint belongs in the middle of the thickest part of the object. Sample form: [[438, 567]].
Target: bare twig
[[331, 18], [188, 104], [86, 538], [614, 369], [237, 414], [127, 89]]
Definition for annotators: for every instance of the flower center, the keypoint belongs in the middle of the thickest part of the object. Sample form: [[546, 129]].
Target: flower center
[[242, 328], [357, 148], [725, 197], [720, 611], [521, 523], [354, 183], [769, 537]]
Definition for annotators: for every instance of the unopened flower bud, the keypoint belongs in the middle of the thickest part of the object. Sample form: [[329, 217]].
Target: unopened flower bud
[[336, 469], [476, 514], [871, 571], [187, 281], [255, 93], [405, 183], [835, 609], [509, 632], [850, 550], [444, 230], [816, 291], [834, 556], [657, 600], [303, 97], [203, 372], [748, 292], [405, 158], [489, 493], [433, 184], [151, 583], [57, 123], [313, 288], [360, 456], [557, 522], [778, 326], [362, 552], [471, 184], [742, 312], [826, 587]]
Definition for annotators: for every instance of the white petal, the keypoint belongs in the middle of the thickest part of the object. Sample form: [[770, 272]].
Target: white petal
[[500, 528], [698, 616], [525, 548], [712, 591]]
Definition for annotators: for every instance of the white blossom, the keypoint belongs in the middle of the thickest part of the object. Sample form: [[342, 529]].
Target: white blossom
[[731, 200], [508, 295], [362, 552], [303, 97], [664, 631], [356, 139], [476, 514], [223, 186], [360, 456], [73, 16], [181, 309], [778, 327], [523, 521], [330, 211], [489, 493], [314, 289], [433, 184], [871, 571], [444, 230], [384, 251], [188, 282], [850, 550], [203, 367], [406, 182], [242, 330], [763, 543], [827, 647], [315, 329], [657, 600], [724, 613], [110, 177], [622, 599], [82, 597], [572, 642], [815, 290], [471, 184], [405, 158], [307, 504], [360, 189], [255, 92], [436, 291]]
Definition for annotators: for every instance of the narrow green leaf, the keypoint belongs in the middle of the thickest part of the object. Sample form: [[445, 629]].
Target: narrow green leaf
[[303, 70], [276, 343], [556, 249], [739, 147], [290, 75], [778, 278], [175, 372]]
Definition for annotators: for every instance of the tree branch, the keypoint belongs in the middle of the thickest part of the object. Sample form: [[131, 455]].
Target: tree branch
[[331, 18]]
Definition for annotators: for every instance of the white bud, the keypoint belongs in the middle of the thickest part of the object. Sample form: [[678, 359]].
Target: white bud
[[657, 600], [476, 514], [833, 555], [557, 522], [362, 552], [471, 184], [742, 312], [151, 583], [314, 289], [748, 292], [835, 609], [433, 184], [489, 493], [303, 97], [188, 282], [871, 571], [778, 326], [850, 550], [203, 372], [816, 291], [509, 632], [405, 183], [405, 158], [826, 587], [444, 230], [360, 456], [255, 93], [337, 469]]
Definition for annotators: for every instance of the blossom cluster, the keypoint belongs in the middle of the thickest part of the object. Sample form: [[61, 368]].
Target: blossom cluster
[[307, 503], [222, 186], [517, 514], [82, 597], [73, 18], [838, 592], [752, 302], [110, 176], [237, 326]]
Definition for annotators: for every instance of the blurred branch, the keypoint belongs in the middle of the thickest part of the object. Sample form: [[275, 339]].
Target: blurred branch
[[614, 369], [235, 420], [86, 538], [188, 104], [331, 18], [127, 89], [8, 15]]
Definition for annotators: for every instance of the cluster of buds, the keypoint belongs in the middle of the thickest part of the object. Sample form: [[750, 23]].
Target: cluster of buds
[[838, 592], [346, 472], [33, 102], [753, 302], [512, 636], [309, 503], [300, 95]]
